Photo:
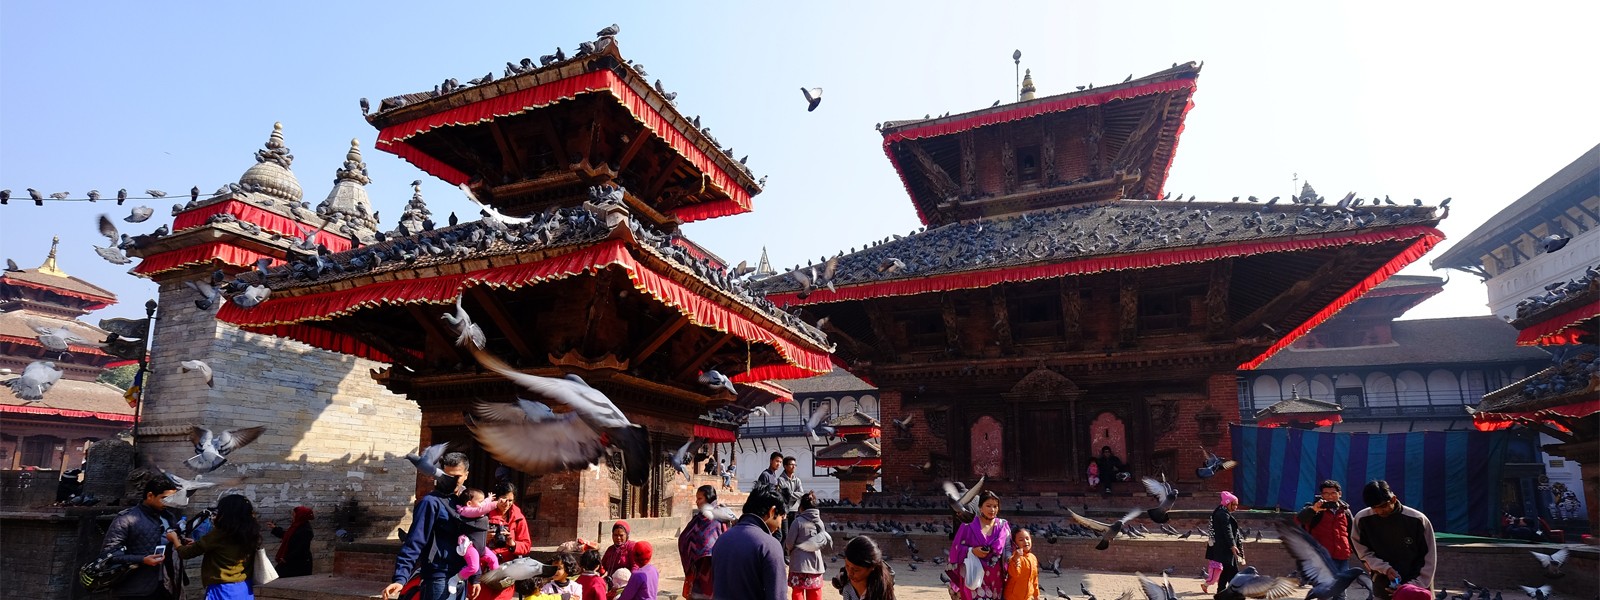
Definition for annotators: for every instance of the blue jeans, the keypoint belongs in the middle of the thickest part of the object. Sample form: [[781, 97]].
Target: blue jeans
[[439, 589]]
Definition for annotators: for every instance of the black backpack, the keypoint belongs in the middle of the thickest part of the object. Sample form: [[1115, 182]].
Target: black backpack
[[100, 574]]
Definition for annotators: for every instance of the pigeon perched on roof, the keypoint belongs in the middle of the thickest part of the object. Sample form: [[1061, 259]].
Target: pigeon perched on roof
[[36, 379], [579, 438], [212, 449]]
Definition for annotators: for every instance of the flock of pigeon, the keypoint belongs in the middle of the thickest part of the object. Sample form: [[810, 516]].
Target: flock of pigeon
[[1557, 292], [1099, 229]]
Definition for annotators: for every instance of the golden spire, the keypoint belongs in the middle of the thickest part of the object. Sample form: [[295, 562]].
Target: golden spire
[[49, 266], [1027, 85]]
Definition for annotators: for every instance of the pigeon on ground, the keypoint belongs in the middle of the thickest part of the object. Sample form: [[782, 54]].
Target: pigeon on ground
[[1054, 566], [1552, 562], [1213, 464], [1328, 578], [36, 379], [813, 97], [1164, 494], [197, 365], [1108, 531], [466, 330], [427, 463], [714, 380], [962, 503], [211, 450], [576, 440]]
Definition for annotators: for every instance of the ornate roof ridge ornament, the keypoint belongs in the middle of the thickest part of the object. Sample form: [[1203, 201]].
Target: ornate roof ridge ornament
[[275, 151], [354, 168], [271, 174]]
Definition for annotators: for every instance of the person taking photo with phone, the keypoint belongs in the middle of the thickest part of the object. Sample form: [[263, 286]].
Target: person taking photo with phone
[[1327, 517]]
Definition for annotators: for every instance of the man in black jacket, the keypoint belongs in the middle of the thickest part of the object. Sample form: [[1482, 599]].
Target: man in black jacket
[[147, 533], [1394, 541]]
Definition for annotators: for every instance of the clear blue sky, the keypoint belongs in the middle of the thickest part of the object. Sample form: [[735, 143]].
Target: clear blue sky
[[1429, 100]]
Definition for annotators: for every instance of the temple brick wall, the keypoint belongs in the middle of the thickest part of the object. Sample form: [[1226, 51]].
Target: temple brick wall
[[333, 433]]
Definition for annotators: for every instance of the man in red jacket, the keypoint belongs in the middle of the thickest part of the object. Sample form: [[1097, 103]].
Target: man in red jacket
[[1328, 520]]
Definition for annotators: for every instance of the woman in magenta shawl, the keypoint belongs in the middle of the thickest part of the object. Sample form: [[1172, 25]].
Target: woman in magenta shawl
[[987, 537], [695, 543]]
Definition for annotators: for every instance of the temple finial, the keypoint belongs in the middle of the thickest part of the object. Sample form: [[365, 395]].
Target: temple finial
[[49, 267], [1027, 85]]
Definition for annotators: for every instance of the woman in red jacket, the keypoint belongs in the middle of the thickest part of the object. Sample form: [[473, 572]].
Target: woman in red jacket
[[508, 537]]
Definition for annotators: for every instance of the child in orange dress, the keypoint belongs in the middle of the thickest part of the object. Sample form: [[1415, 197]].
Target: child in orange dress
[[1022, 572]]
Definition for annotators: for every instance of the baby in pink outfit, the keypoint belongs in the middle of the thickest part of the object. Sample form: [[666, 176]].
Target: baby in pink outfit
[[473, 547]]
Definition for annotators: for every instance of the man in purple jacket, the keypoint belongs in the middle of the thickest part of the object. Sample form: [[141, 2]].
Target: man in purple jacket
[[429, 550], [748, 563]]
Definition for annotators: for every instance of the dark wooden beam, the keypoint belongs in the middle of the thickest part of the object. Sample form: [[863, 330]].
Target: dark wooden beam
[[510, 159], [1592, 216], [1292, 297], [1128, 303], [654, 342], [653, 192], [1002, 319], [640, 138], [1071, 311], [1217, 297], [502, 321], [969, 164], [883, 329], [943, 185], [1133, 147], [952, 325], [702, 356], [382, 344], [553, 137], [1094, 142]]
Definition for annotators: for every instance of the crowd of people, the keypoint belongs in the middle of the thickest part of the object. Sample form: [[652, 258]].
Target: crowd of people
[[776, 548]]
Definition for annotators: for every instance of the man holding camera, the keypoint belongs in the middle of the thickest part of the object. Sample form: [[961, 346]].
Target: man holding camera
[[1328, 520]]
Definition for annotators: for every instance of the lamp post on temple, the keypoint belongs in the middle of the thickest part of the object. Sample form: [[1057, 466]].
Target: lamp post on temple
[[144, 366], [1016, 58]]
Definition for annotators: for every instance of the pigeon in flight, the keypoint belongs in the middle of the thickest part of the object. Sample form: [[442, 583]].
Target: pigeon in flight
[[1539, 593], [1552, 562], [962, 504], [490, 213], [186, 488], [139, 214], [680, 459], [714, 380], [813, 97], [252, 295], [816, 542], [1328, 578], [211, 450], [1553, 242], [717, 512], [57, 339], [11, 266], [1213, 464], [466, 330], [1164, 494], [111, 253], [817, 416], [904, 425], [208, 294], [1108, 531], [521, 569], [197, 365], [427, 463], [36, 379], [1156, 591], [577, 439], [1250, 583]]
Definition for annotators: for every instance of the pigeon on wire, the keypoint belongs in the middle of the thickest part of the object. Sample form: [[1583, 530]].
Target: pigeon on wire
[[1328, 578], [156, 193], [198, 365], [427, 463], [466, 330], [36, 379], [1213, 464], [1108, 531], [962, 502], [111, 253], [817, 416], [714, 380], [1164, 494], [813, 97], [139, 214], [212, 449], [1552, 562], [1250, 583], [577, 439], [680, 459]]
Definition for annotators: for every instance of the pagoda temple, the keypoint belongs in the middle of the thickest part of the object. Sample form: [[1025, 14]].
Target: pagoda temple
[[580, 269], [52, 433], [1058, 301]]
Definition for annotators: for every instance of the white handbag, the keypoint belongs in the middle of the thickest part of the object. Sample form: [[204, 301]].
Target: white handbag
[[972, 571], [262, 571]]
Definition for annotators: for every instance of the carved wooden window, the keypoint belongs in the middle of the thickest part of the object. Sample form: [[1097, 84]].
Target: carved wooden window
[[1035, 317], [1108, 430], [1028, 163], [924, 329], [987, 449], [1166, 309], [1043, 445]]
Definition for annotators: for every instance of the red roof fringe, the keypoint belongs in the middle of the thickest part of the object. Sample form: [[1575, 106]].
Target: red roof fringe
[[870, 463], [271, 316], [714, 435], [1491, 421], [1283, 420], [99, 301], [1553, 331], [393, 138], [268, 220], [1033, 110], [201, 254], [79, 414]]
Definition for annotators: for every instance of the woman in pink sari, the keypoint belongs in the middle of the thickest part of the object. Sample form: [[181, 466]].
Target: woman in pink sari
[[987, 541]]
